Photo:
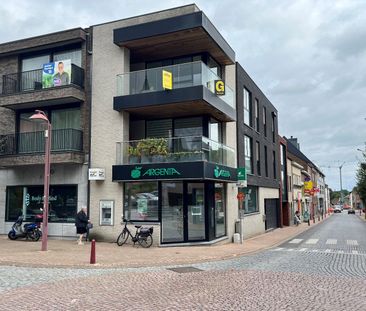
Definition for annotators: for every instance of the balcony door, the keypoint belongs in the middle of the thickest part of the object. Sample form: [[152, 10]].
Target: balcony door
[[183, 212]]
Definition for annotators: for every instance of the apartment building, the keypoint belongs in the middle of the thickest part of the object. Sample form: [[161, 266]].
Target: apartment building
[[151, 117], [50, 73], [258, 152]]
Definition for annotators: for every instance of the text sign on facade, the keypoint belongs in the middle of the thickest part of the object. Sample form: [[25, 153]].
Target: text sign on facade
[[242, 174], [219, 87], [167, 80], [96, 174]]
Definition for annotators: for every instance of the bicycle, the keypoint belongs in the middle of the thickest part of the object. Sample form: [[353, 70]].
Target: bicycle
[[142, 235]]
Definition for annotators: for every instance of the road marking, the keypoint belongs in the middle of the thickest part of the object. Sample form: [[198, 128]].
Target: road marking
[[312, 241], [352, 242], [328, 250], [315, 250], [340, 252], [290, 249], [295, 241], [354, 252], [278, 249], [302, 249], [331, 241]]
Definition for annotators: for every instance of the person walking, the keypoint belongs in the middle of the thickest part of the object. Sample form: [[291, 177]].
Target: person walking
[[81, 223]]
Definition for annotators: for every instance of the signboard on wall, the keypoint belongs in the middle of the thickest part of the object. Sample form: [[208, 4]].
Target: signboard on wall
[[96, 174], [167, 80], [56, 73], [219, 87]]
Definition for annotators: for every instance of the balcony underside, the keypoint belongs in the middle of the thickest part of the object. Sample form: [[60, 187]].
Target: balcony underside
[[43, 97], [189, 101], [38, 159], [182, 35]]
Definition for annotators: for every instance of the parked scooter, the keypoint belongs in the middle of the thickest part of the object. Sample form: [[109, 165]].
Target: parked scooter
[[28, 231]]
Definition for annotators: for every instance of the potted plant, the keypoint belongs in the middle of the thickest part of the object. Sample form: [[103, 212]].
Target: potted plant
[[133, 155], [153, 149]]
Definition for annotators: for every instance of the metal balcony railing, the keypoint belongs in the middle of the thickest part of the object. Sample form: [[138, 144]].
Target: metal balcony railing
[[176, 149], [33, 142], [184, 75], [32, 80]]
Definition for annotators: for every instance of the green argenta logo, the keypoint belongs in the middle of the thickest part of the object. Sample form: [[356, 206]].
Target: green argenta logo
[[221, 173], [151, 172], [136, 172]]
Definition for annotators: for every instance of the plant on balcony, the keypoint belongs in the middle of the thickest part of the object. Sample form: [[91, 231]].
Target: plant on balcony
[[153, 149], [189, 156], [133, 155]]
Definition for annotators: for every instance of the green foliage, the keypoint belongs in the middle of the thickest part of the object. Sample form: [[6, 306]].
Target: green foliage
[[361, 181], [153, 146]]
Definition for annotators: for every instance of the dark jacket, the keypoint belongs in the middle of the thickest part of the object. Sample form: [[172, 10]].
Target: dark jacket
[[81, 220]]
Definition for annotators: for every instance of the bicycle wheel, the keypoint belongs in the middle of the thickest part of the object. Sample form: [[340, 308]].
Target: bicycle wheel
[[145, 241], [122, 238]]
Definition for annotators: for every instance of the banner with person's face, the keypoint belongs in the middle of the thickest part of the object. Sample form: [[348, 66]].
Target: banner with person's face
[[56, 73]]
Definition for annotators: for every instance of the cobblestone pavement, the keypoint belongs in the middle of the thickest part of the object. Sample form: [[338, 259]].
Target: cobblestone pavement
[[321, 269]]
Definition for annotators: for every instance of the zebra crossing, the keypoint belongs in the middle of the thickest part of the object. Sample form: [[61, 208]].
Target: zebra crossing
[[315, 245]]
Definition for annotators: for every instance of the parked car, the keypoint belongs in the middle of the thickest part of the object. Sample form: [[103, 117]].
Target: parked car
[[351, 211], [337, 209]]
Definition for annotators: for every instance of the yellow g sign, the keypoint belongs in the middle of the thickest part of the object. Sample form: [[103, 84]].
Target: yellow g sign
[[219, 87], [167, 80]]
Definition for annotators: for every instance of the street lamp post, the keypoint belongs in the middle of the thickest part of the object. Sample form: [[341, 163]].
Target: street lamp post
[[41, 116], [340, 180]]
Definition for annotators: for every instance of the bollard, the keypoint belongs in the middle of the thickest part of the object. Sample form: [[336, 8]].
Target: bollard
[[92, 252]]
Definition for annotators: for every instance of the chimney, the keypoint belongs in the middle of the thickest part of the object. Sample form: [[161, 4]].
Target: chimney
[[293, 140]]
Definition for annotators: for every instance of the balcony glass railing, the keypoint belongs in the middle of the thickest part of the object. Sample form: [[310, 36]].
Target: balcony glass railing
[[32, 80], [33, 142], [184, 75], [177, 149]]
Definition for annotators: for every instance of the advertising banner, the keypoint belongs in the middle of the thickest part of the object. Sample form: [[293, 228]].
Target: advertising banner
[[167, 80], [56, 73]]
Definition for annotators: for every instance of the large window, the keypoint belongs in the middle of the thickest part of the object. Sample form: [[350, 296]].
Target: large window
[[274, 165], [256, 111], [247, 107], [265, 121], [248, 154], [258, 157], [249, 204], [273, 127], [28, 201], [141, 201], [266, 160]]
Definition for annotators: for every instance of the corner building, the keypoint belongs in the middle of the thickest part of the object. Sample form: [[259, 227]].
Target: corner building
[[169, 154]]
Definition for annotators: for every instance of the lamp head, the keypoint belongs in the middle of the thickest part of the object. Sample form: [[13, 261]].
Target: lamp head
[[39, 115]]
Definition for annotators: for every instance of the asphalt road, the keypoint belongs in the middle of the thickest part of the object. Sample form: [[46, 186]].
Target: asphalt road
[[323, 268]]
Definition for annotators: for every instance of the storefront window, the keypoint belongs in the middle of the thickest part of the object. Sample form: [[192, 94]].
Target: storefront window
[[219, 209], [28, 201], [141, 201], [249, 204]]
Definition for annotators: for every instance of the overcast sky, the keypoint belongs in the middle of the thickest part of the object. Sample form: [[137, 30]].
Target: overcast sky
[[308, 57]]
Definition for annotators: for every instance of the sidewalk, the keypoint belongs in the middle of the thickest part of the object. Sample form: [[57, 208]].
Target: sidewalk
[[63, 253]]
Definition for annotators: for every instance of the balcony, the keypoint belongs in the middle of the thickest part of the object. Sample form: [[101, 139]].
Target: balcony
[[141, 93], [24, 90], [28, 148], [193, 157], [177, 149]]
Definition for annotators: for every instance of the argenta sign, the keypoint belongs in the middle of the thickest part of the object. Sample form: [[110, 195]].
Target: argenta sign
[[138, 172]]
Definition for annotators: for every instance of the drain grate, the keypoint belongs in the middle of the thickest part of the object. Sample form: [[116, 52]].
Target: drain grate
[[185, 269]]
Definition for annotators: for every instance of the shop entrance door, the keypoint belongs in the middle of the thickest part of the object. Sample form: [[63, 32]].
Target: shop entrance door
[[182, 212]]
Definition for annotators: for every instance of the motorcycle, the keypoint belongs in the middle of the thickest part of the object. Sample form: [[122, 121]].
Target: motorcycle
[[28, 231]]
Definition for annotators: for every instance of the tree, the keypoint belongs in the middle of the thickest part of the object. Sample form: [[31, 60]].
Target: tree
[[361, 182]]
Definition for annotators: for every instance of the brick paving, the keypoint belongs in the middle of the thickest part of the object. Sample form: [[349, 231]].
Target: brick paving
[[63, 253], [281, 278]]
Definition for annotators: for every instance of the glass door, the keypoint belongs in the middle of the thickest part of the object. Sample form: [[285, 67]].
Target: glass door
[[172, 212], [196, 211]]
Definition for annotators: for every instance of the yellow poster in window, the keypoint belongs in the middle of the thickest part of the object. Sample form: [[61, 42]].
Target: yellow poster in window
[[167, 80]]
